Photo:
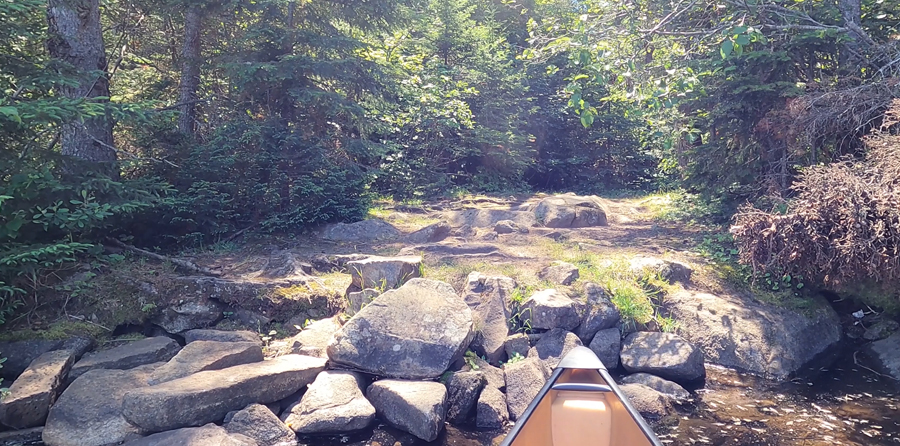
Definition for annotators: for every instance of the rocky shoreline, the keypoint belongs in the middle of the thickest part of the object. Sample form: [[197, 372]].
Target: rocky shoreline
[[411, 352]]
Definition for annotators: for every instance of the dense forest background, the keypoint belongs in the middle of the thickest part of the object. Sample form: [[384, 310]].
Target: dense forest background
[[172, 123]]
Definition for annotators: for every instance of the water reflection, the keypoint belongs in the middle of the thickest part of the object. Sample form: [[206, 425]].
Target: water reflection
[[845, 404]]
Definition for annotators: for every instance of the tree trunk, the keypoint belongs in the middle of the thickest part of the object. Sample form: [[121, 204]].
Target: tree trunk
[[190, 69], [851, 13], [75, 37]]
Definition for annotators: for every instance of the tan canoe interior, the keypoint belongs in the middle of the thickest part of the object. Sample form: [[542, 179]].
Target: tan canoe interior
[[570, 418]]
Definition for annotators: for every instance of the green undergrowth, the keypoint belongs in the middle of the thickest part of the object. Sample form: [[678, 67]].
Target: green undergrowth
[[782, 290]]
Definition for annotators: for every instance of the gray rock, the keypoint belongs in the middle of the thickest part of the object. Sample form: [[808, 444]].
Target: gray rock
[[599, 314], [359, 299], [334, 403], [197, 312], [463, 389], [668, 270], [22, 437], [259, 423], [493, 375], [430, 234], [549, 309], [509, 227], [251, 318], [570, 211], [524, 380], [663, 354], [221, 336], [417, 407], [488, 296], [206, 397], [561, 273], [414, 332], [366, 231], [86, 416], [744, 334], [465, 231], [208, 435], [206, 355], [887, 352], [384, 273], [651, 404], [595, 293], [881, 330], [36, 389], [552, 347], [491, 411], [486, 218], [517, 344], [20, 354], [607, 344], [654, 382], [137, 353], [313, 339]]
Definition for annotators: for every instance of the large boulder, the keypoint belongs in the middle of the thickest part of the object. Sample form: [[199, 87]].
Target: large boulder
[[36, 389], [259, 423], [333, 404], [195, 312], [488, 296], [366, 231], [524, 380], [599, 314], [668, 270], [384, 273], [651, 404], [491, 411], [208, 435], [663, 354], [202, 334], [20, 354], [206, 355], [509, 227], [607, 344], [553, 346], [313, 339], [887, 352], [430, 234], [208, 396], [463, 389], [744, 334], [561, 273], [358, 299], [570, 211], [89, 412], [484, 218], [137, 353], [549, 309], [415, 332], [654, 382], [417, 407], [881, 330]]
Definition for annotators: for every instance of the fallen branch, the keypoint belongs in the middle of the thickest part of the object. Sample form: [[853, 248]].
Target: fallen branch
[[185, 264], [238, 234], [855, 361]]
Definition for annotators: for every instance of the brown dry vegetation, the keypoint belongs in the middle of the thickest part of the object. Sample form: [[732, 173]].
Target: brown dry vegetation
[[843, 227]]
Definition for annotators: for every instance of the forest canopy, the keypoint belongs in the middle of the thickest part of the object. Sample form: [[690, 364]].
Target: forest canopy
[[174, 122]]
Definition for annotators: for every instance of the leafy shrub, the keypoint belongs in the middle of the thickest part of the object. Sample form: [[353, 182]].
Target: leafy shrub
[[48, 219]]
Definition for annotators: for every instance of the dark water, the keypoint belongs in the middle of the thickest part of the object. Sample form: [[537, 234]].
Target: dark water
[[843, 404]]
